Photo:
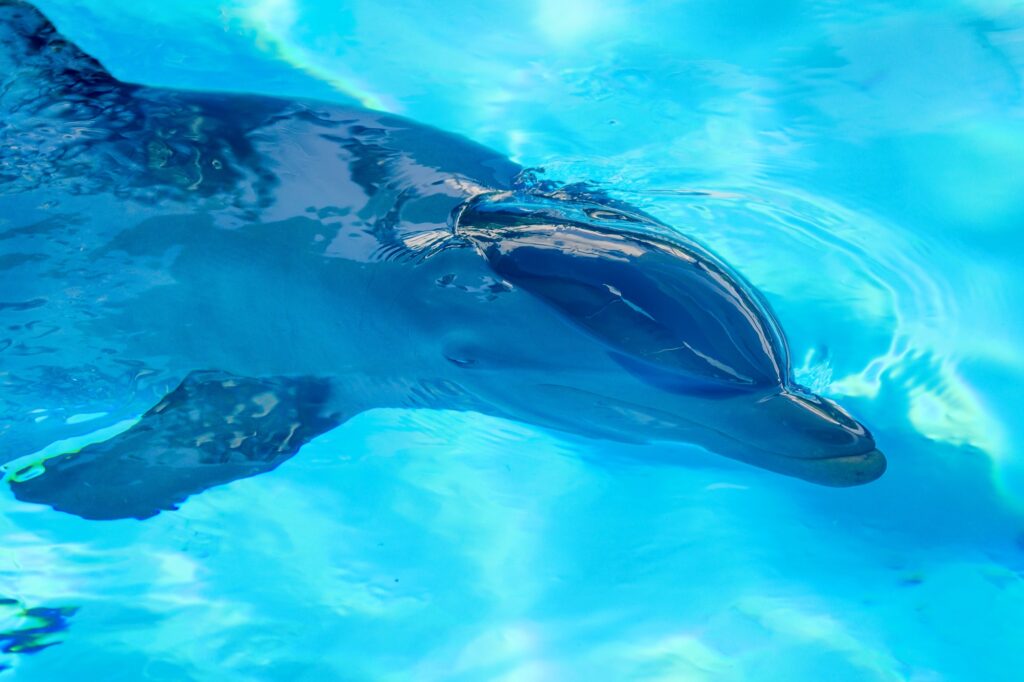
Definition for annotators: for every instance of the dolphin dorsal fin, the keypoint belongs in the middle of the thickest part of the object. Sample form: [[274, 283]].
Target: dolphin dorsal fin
[[31, 49]]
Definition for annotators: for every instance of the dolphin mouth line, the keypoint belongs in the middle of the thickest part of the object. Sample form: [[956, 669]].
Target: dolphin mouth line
[[837, 471], [841, 470]]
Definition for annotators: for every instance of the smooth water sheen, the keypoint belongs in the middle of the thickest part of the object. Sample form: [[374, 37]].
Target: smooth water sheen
[[857, 162]]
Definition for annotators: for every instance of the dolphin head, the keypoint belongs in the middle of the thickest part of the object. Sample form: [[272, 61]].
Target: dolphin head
[[662, 341]]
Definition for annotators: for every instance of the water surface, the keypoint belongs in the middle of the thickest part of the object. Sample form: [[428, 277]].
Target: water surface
[[858, 162]]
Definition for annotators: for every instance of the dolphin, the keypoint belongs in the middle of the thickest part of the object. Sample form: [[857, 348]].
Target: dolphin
[[213, 280]]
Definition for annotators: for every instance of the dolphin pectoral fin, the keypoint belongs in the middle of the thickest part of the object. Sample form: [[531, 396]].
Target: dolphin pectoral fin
[[212, 429]]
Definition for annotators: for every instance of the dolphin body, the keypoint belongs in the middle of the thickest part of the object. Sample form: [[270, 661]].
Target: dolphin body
[[247, 272]]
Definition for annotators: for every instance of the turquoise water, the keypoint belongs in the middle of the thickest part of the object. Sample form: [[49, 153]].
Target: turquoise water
[[858, 162]]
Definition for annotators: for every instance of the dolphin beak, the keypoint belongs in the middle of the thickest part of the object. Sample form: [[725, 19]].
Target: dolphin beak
[[838, 472], [799, 434]]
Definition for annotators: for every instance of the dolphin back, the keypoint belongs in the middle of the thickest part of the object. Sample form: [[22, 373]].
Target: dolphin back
[[132, 214]]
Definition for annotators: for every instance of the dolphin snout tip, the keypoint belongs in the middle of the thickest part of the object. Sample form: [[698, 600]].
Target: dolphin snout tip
[[849, 470]]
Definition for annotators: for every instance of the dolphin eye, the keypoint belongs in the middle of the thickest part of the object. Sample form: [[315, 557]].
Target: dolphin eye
[[664, 308]]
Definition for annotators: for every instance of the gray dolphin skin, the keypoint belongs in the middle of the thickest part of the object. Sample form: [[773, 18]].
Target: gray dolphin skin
[[217, 279]]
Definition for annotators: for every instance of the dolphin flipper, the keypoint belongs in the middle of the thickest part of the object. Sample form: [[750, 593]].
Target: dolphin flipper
[[212, 429]]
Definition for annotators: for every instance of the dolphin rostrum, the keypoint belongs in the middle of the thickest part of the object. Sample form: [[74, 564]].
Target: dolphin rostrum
[[247, 272]]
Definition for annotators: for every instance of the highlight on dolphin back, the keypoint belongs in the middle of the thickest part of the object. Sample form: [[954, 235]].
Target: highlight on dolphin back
[[247, 273]]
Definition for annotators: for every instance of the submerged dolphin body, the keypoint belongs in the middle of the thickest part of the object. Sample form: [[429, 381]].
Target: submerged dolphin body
[[247, 273]]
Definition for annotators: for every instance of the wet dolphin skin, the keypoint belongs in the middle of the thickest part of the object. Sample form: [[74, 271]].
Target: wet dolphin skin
[[247, 273]]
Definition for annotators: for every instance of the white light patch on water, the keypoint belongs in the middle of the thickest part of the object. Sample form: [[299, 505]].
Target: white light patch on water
[[569, 23], [803, 624], [84, 417], [683, 657], [273, 20]]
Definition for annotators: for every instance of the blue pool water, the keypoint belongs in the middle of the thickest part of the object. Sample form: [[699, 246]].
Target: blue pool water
[[858, 162]]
